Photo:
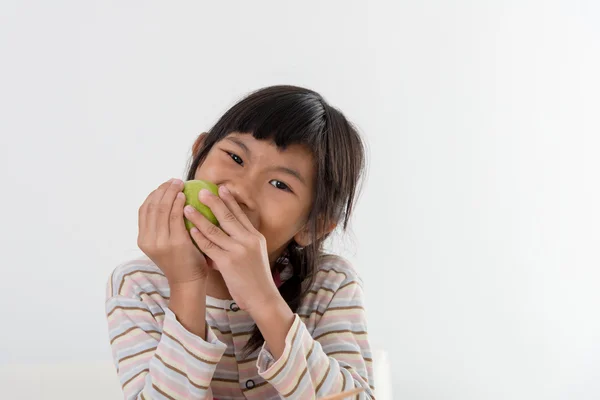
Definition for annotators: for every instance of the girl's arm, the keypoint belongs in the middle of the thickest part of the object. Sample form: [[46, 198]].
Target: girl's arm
[[172, 360], [335, 358], [188, 303]]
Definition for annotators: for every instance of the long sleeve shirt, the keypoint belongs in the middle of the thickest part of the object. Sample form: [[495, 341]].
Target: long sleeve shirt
[[326, 349]]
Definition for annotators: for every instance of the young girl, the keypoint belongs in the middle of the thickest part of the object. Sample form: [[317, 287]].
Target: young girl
[[262, 312]]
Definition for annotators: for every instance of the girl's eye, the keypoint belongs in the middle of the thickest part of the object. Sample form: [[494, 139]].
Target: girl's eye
[[236, 158], [280, 185]]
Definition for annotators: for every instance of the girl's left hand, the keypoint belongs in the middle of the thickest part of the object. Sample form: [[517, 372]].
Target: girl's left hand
[[237, 249]]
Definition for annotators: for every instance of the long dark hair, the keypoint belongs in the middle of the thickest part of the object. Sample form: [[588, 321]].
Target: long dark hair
[[294, 115]]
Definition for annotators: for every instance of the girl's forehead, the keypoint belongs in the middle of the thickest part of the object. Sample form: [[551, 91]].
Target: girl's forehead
[[248, 143]]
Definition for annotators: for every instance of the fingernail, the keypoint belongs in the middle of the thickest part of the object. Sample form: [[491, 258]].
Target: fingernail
[[205, 193], [224, 190], [188, 209]]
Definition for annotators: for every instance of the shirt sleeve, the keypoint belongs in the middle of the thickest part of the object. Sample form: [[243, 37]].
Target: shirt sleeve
[[335, 358], [155, 362]]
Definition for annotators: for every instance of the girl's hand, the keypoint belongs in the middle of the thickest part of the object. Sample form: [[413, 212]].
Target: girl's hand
[[164, 238], [237, 249]]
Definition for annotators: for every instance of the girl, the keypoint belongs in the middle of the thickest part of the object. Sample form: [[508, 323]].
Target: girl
[[262, 312]]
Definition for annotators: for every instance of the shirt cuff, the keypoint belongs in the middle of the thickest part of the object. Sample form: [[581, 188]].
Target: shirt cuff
[[268, 367], [211, 349]]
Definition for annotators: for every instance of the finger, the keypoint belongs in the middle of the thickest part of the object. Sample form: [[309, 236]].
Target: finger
[[206, 246], [177, 227], [208, 229], [142, 215], [227, 219], [235, 208], [154, 208], [165, 208]]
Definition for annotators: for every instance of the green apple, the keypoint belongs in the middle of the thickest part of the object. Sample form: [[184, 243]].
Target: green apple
[[191, 189]]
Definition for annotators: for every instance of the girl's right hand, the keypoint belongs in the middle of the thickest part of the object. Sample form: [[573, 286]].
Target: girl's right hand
[[164, 238]]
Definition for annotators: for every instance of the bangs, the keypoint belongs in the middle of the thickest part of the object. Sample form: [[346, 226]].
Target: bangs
[[292, 116]]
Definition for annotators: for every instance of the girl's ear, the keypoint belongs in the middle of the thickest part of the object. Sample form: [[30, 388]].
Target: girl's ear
[[303, 237], [198, 144]]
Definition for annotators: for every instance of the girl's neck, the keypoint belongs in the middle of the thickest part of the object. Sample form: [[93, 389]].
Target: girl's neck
[[216, 287]]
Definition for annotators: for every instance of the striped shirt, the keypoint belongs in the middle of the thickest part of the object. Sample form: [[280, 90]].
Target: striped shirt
[[326, 349]]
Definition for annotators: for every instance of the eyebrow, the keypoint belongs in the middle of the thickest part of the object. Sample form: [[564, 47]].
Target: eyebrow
[[240, 143], [285, 170], [292, 172]]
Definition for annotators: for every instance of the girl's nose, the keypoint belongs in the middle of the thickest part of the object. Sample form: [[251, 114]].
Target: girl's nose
[[244, 195]]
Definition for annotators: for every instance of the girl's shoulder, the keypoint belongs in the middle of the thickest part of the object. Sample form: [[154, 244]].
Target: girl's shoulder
[[334, 272], [136, 278], [336, 289]]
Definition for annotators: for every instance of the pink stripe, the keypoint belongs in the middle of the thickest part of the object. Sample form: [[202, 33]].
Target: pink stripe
[[172, 386], [132, 339], [114, 321]]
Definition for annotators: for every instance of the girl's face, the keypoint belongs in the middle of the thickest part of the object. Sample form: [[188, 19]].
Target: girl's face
[[273, 187]]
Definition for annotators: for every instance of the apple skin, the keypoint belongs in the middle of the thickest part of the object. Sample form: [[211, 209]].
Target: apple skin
[[191, 190]]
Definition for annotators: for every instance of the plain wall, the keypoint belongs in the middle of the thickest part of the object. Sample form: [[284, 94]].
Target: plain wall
[[477, 233]]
